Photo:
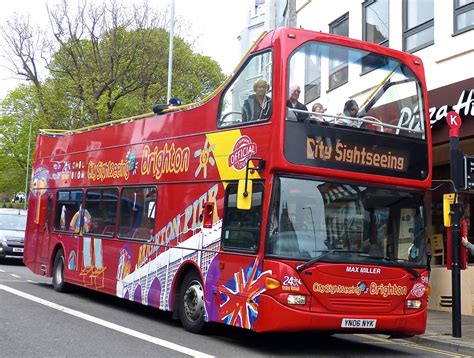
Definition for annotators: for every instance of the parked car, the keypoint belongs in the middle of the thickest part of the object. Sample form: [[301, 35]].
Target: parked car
[[12, 233]]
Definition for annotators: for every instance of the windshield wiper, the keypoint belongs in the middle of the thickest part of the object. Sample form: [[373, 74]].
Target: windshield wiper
[[395, 261], [323, 255]]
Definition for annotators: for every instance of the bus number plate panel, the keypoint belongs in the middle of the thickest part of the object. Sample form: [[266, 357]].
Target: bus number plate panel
[[358, 323]]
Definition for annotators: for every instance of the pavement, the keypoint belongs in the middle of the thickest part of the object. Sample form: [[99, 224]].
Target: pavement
[[439, 333]]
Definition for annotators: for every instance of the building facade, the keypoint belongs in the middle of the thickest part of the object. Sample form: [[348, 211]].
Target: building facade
[[441, 33]]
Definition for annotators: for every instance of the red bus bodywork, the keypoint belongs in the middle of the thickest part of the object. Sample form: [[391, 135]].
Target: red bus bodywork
[[172, 151]]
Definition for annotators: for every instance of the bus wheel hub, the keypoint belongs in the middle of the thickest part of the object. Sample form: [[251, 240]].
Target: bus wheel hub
[[194, 301]]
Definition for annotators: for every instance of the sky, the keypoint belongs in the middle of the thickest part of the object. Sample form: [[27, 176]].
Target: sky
[[215, 23]]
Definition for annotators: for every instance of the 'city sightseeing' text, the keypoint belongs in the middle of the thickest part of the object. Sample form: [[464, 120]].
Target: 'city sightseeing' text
[[325, 149], [101, 171]]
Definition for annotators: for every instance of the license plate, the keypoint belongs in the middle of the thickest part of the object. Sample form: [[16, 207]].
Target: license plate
[[17, 249], [358, 323]]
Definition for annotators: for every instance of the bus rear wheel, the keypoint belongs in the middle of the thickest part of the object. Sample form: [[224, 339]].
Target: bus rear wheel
[[191, 303], [58, 272]]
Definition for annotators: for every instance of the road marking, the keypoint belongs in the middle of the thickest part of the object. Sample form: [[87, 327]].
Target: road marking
[[2, 270], [411, 345], [12, 274], [110, 325]]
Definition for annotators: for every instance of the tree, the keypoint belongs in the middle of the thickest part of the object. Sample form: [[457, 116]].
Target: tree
[[25, 47], [18, 111], [110, 61], [117, 59], [102, 62]]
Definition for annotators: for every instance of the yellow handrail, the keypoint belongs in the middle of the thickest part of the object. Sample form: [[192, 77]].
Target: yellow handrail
[[57, 132], [380, 85]]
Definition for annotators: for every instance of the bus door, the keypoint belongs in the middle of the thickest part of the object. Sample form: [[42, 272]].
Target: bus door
[[43, 225], [241, 280]]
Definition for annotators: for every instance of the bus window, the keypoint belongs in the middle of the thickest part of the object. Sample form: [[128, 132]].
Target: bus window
[[241, 228], [137, 213], [102, 207], [68, 211], [357, 223], [249, 97], [387, 96]]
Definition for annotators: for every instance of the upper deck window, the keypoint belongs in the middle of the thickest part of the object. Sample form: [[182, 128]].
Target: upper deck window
[[388, 99], [249, 98]]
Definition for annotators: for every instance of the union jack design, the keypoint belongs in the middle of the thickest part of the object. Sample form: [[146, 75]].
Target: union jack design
[[240, 296]]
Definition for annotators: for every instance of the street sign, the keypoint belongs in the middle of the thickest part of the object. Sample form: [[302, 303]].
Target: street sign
[[468, 172], [454, 122]]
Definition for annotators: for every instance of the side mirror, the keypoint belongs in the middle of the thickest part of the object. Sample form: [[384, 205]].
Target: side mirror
[[244, 194], [208, 215]]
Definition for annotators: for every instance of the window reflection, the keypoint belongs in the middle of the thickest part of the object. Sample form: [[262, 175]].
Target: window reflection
[[309, 218], [388, 95], [376, 24], [249, 97]]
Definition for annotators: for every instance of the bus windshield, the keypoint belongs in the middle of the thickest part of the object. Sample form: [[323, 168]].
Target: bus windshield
[[346, 223], [359, 89]]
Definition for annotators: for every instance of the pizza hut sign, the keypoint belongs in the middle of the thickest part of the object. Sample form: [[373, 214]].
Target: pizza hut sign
[[410, 118], [243, 150]]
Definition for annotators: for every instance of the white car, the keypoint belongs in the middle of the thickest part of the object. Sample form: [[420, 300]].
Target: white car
[[12, 233]]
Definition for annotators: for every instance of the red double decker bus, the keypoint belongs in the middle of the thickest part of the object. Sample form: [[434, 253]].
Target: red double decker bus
[[252, 209]]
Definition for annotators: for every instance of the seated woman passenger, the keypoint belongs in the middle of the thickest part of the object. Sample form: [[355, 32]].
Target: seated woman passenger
[[317, 108], [257, 106], [351, 108]]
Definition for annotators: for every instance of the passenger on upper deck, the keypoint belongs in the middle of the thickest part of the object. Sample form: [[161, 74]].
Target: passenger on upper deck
[[294, 103], [351, 108], [174, 102], [317, 108], [257, 106]]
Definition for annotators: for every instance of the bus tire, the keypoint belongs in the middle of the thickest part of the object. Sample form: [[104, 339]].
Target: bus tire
[[191, 303], [58, 272]]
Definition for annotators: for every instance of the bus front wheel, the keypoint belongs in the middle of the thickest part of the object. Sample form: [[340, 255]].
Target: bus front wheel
[[191, 303], [58, 272]]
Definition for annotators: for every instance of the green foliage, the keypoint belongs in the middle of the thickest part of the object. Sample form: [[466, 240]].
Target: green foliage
[[19, 109], [94, 77]]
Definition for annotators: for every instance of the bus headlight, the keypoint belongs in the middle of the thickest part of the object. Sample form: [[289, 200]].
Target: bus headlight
[[414, 304], [296, 300]]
